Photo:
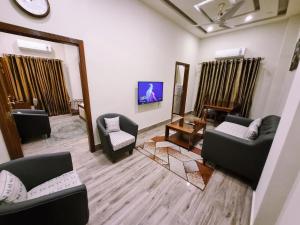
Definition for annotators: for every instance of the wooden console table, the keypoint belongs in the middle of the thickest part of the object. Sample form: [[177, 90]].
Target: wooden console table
[[217, 108], [186, 133]]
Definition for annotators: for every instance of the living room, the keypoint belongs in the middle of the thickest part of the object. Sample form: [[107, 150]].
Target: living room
[[130, 41]]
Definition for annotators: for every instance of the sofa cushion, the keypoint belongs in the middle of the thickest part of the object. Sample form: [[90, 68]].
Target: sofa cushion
[[252, 131], [120, 139], [112, 124], [12, 189], [233, 129], [65, 181]]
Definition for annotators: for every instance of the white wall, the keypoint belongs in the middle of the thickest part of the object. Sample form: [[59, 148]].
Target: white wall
[[4, 157], [275, 43], [290, 212], [282, 166], [125, 41], [71, 63]]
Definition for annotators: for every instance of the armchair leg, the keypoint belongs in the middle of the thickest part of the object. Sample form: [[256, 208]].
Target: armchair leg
[[130, 152]]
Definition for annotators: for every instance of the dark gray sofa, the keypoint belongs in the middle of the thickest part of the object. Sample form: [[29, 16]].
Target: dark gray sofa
[[243, 157], [126, 125], [67, 207], [31, 123]]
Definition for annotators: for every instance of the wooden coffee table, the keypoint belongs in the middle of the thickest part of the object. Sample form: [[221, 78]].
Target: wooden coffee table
[[186, 133]]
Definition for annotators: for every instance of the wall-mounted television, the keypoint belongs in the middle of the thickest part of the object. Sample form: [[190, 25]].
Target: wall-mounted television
[[150, 92]]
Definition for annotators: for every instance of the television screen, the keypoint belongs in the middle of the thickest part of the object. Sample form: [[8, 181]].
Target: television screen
[[149, 92]]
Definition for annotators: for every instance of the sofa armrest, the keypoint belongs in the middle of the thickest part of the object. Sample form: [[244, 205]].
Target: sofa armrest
[[238, 120], [69, 206], [128, 126], [35, 170], [244, 157], [218, 140], [31, 111]]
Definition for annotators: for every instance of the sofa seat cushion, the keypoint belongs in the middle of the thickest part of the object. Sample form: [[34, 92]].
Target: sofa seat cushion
[[12, 190], [120, 139], [65, 181], [233, 129]]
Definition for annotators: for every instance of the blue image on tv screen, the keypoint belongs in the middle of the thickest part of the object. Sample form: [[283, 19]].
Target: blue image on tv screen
[[149, 92]]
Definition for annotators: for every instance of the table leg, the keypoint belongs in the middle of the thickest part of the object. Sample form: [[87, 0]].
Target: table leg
[[190, 143], [167, 133]]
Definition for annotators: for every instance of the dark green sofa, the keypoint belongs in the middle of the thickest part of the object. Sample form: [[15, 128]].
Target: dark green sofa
[[242, 157]]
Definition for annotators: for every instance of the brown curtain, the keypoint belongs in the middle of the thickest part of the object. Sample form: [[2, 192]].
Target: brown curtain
[[32, 77], [227, 83]]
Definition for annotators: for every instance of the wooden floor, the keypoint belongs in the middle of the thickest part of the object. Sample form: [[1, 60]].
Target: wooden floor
[[136, 190]]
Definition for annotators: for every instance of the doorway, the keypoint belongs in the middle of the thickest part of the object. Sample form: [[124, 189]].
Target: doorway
[[180, 89], [82, 104]]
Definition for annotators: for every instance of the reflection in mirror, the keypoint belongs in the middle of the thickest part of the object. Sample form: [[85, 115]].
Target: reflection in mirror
[[42, 82], [179, 77], [179, 92]]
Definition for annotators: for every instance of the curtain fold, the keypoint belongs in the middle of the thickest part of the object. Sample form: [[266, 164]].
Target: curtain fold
[[227, 83], [32, 77]]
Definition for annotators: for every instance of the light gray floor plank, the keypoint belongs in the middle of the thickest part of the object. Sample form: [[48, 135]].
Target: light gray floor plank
[[136, 190]]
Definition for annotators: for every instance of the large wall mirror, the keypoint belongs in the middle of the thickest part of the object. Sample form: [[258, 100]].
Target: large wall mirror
[[180, 89], [45, 91]]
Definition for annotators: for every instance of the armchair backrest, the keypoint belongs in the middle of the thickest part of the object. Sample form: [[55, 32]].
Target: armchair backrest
[[269, 125], [100, 119], [268, 128]]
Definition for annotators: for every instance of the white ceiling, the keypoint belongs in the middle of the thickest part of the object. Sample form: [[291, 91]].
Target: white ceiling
[[197, 22]]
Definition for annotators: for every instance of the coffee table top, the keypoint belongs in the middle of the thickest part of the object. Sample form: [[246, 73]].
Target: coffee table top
[[189, 126]]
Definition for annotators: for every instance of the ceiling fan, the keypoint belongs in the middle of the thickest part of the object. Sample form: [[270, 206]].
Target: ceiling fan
[[224, 14]]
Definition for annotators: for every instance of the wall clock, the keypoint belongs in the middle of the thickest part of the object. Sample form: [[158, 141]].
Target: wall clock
[[37, 8]]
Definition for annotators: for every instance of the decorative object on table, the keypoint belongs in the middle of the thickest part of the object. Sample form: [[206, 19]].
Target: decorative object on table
[[31, 123], [116, 143], [56, 196], [36, 8], [235, 146], [296, 57], [186, 164]]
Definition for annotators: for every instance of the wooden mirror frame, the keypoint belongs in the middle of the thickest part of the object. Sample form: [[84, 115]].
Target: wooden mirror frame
[[184, 87], [15, 152]]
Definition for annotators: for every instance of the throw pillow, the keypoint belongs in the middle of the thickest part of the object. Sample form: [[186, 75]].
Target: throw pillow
[[112, 124], [256, 122], [252, 131], [12, 189], [63, 182]]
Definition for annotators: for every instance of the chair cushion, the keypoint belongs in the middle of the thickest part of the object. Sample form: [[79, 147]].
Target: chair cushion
[[112, 124], [12, 189], [120, 139], [65, 181], [233, 129], [252, 131]]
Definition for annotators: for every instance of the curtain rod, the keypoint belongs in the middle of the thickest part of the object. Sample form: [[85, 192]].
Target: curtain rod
[[231, 59]]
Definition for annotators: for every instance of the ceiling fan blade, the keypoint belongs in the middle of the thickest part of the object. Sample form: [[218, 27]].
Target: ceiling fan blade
[[231, 11]]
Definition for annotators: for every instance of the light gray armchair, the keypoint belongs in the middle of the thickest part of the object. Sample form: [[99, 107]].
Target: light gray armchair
[[109, 144]]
